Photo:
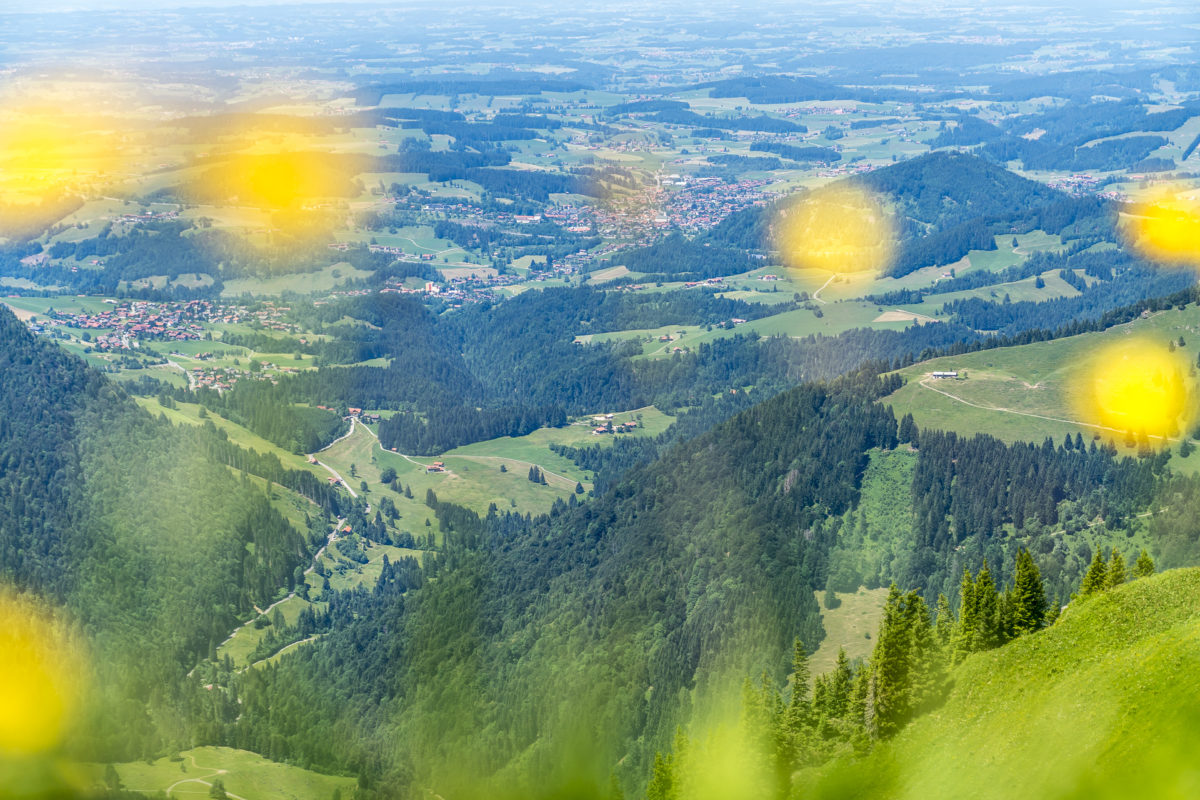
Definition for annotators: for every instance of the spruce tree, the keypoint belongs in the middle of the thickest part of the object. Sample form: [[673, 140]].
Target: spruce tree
[[662, 783], [927, 663], [1144, 566], [1028, 595], [1052, 612], [963, 639], [1116, 569], [945, 622], [890, 664], [987, 606], [820, 698], [798, 707], [1097, 576], [839, 686]]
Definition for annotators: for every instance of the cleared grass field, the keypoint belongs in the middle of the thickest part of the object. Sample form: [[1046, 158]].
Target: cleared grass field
[[189, 414], [470, 481], [851, 626], [300, 282], [1029, 392], [245, 774], [1017, 291], [519, 452]]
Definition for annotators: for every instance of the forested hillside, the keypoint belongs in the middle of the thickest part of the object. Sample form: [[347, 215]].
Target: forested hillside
[[687, 575], [140, 529]]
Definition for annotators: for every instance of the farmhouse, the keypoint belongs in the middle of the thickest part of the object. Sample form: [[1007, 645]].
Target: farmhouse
[[945, 374]]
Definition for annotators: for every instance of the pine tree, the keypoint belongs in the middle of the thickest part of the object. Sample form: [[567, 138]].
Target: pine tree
[[820, 698], [1028, 595], [859, 695], [927, 663], [890, 665], [1144, 566], [945, 622], [1097, 576], [987, 605], [1052, 612], [907, 432], [662, 781], [1116, 569], [798, 707], [840, 686], [963, 638]]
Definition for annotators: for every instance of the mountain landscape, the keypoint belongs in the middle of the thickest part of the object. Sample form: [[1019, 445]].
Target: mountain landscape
[[420, 402]]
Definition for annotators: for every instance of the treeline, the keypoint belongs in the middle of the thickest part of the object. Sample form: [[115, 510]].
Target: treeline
[[745, 163], [490, 85], [1132, 283], [797, 152], [1064, 135], [676, 257], [438, 430], [761, 123]]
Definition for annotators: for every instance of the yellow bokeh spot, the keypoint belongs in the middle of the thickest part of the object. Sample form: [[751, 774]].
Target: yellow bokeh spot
[[279, 181], [39, 677], [839, 228], [1165, 229], [47, 150], [1137, 386]]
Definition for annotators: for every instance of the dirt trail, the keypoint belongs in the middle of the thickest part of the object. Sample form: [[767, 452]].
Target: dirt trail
[[925, 385], [213, 773], [817, 294]]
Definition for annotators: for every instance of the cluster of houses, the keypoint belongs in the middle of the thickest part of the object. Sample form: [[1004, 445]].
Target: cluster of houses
[[362, 416], [605, 425], [705, 282], [1080, 184], [120, 327], [704, 203], [149, 216], [127, 322]]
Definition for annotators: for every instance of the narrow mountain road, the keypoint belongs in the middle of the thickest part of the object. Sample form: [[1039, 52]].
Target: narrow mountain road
[[333, 536], [331, 470]]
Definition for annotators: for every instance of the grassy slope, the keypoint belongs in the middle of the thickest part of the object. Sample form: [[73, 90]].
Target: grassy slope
[[246, 774], [1029, 379], [1100, 705], [850, 627]]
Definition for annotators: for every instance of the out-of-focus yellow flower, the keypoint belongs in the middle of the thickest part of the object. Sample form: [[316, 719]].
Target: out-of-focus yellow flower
[[45, 150], [1137, 386], [41, 675], [839, 228], [1166, 229]]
